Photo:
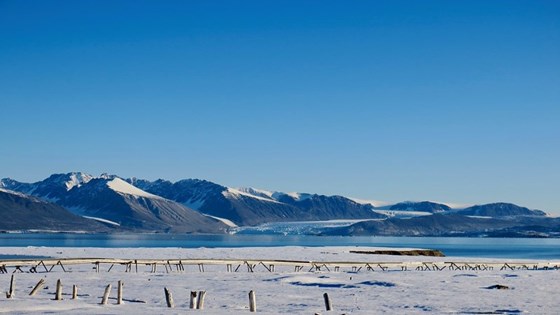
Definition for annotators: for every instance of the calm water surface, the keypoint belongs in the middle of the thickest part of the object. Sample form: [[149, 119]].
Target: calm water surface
[[465, 247]]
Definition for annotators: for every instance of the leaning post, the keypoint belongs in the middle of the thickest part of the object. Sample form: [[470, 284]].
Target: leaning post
[[328, 305], [37, 287], [10, 294], [169, 298], [106, 294]]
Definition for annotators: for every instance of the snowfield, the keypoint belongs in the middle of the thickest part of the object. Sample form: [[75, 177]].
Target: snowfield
[[282, 291], [123, 187]]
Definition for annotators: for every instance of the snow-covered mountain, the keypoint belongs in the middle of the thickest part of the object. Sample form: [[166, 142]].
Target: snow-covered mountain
[[24, 212], [198, 206], [500, 209], [108, 198], [52, 188], [423, 206], [250, 206], [451, 224]]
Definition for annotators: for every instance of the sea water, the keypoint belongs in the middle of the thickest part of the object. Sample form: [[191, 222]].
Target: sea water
[[522, 248]]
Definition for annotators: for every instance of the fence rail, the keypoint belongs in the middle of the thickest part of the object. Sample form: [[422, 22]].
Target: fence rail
[[252, 265]]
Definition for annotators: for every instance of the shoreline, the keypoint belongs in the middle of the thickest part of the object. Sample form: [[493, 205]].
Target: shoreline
[[331, 254]]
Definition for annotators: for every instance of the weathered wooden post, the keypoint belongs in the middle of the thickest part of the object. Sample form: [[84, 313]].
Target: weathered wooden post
[[119, 292], [106, 294], [10, 294], [74, 292], [328, 305], [200, 304], [37, 287], [193, 302], [169, 298], [252, 301], [58, 293]]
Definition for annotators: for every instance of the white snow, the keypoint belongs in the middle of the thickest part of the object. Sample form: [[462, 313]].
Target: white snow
[[102, 220], [223, 220], [375, 203], [403, 213], [16, 193], [273, 195], [257, 192], [282, 291], [22, 195], [454, 205], [235, 193], [77, 179], [299, 196], [123, 187]]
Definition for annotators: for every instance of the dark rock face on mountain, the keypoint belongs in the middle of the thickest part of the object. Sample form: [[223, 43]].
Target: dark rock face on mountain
[[424, 206], [23, 212], [248, 206], [190, 192], [136, 209], [53, 188], [329, 207], [431, 225], [210, 198], [14, 185], [454, 225], [500, 210]]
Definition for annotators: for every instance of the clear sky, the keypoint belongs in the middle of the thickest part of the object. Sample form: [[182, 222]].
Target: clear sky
[[454, 101]]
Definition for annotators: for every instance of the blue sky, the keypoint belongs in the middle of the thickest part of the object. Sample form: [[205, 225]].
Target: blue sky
[[456, 101]]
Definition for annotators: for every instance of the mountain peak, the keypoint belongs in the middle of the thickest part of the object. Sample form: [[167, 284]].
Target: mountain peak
[[7, 183], [424, 206], [77, 179], [107, 176], [500, 209], [68, 180]]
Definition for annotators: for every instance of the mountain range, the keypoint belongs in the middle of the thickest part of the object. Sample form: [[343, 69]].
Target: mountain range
[[455, 225], [108, 203]]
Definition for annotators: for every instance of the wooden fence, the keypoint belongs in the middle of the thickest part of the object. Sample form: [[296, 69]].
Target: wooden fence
[[251, 265]]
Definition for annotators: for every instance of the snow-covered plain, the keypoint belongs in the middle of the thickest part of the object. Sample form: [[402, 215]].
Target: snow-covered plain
[[283, 291]]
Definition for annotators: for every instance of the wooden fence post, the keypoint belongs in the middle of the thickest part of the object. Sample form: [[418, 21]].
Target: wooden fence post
[[169, 298], [106, 294], [200, 304], [37, 287], [252, 301], [58, 293], [74, 292], [120, 292], [328, 305], [193, 303], [10, 294]]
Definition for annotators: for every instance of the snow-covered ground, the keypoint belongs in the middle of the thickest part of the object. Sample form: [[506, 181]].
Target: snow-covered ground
[[282, 291]]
